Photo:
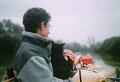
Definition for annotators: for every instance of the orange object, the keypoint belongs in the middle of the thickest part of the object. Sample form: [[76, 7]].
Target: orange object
[[86, 59]]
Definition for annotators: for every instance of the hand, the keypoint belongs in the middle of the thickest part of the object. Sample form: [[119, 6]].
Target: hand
[[70, 54]]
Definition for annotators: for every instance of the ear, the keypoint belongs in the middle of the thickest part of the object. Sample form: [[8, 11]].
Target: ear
[[41, 26]]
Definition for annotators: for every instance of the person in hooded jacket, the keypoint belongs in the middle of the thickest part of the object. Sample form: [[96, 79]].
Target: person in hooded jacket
[[33, 58]]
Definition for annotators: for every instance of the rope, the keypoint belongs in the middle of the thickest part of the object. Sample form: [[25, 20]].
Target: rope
[[8, 80]]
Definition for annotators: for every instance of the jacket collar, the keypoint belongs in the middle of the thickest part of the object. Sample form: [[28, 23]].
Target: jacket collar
[[35, 39]]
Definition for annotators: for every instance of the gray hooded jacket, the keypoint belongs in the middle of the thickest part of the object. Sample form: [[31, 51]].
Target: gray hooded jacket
[[33, 60]]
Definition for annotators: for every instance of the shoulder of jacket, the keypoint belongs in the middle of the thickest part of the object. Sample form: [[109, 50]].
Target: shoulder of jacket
[[25, 46]]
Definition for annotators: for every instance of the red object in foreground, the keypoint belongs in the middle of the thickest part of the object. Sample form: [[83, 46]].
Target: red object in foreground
[[86, 59]]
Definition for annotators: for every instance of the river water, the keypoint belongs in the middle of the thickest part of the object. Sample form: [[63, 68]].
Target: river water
[[107, 61]]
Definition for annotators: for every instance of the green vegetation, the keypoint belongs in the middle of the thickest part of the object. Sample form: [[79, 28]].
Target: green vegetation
[[9, 42], [109, 51], [111, 45]]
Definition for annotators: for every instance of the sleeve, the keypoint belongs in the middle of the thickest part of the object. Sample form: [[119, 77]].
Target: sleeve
[[36, 70]]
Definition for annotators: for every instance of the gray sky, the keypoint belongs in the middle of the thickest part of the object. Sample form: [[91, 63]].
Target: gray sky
[[72, 20]]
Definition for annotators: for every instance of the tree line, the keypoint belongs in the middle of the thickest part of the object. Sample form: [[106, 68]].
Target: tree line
[[9, 36], [110, 45]]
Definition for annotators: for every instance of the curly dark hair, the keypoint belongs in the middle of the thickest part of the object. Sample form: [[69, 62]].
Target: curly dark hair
[[34, 17]]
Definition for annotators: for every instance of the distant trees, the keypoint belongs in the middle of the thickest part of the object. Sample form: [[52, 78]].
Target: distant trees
[[9, 41], [9, 35], [76, 47], [110, 45]]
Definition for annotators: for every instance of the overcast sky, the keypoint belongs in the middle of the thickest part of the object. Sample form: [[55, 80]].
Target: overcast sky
[[72, 20]]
